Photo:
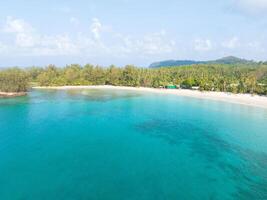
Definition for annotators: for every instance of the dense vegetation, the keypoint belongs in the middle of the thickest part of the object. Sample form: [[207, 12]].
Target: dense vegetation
[[13, 80], [210, 77]]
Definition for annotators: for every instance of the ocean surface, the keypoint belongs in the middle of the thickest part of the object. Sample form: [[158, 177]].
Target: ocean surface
[[122, 145]]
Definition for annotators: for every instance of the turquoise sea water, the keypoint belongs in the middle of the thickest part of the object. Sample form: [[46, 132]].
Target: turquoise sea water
[[104, 144]]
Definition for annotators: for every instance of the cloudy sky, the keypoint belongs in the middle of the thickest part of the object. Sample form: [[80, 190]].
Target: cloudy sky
[[42, 32]]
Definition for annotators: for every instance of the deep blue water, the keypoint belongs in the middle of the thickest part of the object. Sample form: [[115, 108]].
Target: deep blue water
[[103, 144]]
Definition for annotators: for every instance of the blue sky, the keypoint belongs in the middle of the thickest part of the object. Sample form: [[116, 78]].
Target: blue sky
[[120, 32]]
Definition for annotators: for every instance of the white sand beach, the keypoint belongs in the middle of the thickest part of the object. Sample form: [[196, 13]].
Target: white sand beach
[[12, 94], [245, 99]]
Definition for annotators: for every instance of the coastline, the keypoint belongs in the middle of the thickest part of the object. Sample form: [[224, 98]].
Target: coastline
[[243, 99], [12, 94]]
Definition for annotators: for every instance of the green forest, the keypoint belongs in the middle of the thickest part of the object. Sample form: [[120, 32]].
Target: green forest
[[237, 78], [13, 80]]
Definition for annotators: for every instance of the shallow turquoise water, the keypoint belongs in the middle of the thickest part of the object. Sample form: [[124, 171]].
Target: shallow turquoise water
[[103, 144]]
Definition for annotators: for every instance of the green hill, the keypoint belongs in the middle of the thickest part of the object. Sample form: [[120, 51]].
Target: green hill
[[225, 60]]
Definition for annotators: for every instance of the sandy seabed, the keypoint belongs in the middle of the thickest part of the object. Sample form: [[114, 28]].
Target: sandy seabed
[[245, 99]]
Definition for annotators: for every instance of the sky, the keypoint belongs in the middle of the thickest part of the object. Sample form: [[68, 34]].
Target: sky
[[138, 32]]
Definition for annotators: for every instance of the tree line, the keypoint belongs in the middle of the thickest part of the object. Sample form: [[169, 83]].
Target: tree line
[[13, 80], [208, 77]]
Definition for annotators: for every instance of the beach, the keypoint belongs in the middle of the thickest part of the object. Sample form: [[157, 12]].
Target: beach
[[12, 94], [244, 99]]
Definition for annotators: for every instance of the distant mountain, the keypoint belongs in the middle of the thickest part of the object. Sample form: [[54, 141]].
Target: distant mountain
[[169, 63], [225, 60], [232, 60]]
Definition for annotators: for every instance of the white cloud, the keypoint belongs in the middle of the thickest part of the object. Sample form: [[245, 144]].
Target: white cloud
[[74, 20], [27, 41], [96, 28], [252, 6], [203, 45], [150, 44], [56, 45], [99, 40], [22, 30], [256, 45], [17, 26], [231, 43]]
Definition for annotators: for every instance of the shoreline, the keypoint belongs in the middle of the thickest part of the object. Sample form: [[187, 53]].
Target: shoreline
[[243, 99], [12, 94]]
